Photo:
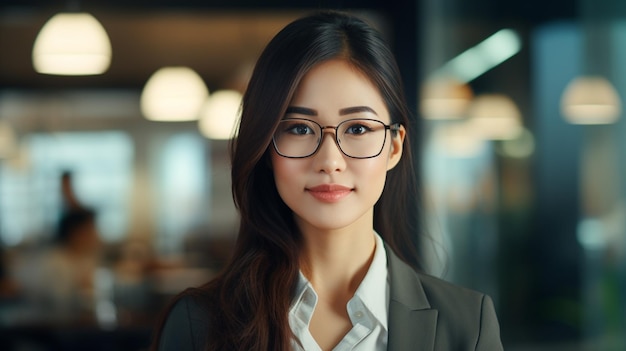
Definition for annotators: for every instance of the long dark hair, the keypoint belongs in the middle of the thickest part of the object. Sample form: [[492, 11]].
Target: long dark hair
[[249, 302]]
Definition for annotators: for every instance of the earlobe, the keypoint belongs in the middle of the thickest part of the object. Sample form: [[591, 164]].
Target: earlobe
[[397, 142]]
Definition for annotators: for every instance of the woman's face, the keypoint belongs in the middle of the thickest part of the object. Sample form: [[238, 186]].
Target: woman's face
[[330, 190]]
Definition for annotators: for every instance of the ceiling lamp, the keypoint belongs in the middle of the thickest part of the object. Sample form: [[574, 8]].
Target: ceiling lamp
[[72, 44], [220, 115], [590, 100], [445, 98], [459, 140], [495, 117], [173, 94]]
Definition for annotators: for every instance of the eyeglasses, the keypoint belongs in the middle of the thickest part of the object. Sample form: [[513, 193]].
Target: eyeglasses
[[356, 138]]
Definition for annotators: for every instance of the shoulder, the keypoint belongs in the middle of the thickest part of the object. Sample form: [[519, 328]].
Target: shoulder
[[463, 314], [462, 318], [444, 295], [429, 292], [418, 290], [185, 327]]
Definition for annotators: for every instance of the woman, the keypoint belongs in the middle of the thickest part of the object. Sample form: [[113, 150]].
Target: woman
[[322, 178]]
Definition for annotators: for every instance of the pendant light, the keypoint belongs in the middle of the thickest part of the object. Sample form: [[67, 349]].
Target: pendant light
[[590, 100], [72, 44], [173, 94], [495, 117], [445, 98], [220, 115], [459, 139]]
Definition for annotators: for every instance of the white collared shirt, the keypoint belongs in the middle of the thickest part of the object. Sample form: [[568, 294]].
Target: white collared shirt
[[368, 310]]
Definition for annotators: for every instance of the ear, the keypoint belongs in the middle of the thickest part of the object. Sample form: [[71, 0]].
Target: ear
[[397, 141]]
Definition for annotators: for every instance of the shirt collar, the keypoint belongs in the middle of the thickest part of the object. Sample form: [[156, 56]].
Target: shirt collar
[[373, 294]]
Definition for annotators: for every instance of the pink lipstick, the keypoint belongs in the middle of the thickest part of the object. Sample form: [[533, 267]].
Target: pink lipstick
[[329, 192]]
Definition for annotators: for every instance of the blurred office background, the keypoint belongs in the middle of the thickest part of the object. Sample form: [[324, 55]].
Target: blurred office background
[[520, 151]]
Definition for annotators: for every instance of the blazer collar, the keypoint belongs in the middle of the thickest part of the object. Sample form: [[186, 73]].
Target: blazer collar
[[412, 321]]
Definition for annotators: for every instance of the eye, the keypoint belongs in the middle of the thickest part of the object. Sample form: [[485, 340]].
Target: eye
[[296, 128], [357, 128], [301, 129]]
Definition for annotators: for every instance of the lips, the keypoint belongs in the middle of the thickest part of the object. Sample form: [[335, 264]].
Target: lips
[[329, 192]]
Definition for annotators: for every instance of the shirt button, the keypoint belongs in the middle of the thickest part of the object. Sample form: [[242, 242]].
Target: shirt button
[[358, 314]]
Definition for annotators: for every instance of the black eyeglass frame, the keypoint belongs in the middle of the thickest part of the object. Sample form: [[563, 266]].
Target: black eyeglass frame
[[394, 127]]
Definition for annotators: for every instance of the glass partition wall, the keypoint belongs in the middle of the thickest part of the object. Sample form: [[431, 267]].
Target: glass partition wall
[[534, 217]]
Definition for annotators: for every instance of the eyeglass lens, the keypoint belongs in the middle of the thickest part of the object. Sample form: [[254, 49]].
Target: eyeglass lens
[[358, 138]]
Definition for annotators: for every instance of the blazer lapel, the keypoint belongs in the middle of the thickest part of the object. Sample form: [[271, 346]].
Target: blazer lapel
[[412, 322]]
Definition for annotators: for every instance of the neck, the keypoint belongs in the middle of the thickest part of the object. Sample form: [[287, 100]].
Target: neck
[[335, 262]]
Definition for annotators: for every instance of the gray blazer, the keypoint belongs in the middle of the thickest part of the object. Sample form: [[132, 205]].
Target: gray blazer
[[429, 314], [425, 314]]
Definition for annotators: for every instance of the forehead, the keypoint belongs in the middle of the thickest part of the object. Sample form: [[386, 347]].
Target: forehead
[[337, 84]]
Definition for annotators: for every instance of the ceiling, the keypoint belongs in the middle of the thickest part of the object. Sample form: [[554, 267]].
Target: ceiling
[[218, 38], [220, 46], [220, 43]]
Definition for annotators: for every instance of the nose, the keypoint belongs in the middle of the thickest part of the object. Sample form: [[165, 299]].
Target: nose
[[329, 158]]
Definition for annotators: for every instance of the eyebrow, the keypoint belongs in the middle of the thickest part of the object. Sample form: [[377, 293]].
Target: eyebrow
[[356, 109], [344, 111], [301, 111]]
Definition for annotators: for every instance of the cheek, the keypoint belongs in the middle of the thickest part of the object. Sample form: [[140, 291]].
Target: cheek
[[284, 170], [376, 165], [372, 172]]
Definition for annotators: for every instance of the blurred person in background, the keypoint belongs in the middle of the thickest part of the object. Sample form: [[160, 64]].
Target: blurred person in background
[[67, 273], [71, 265], [70, 201], [325, 257]]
